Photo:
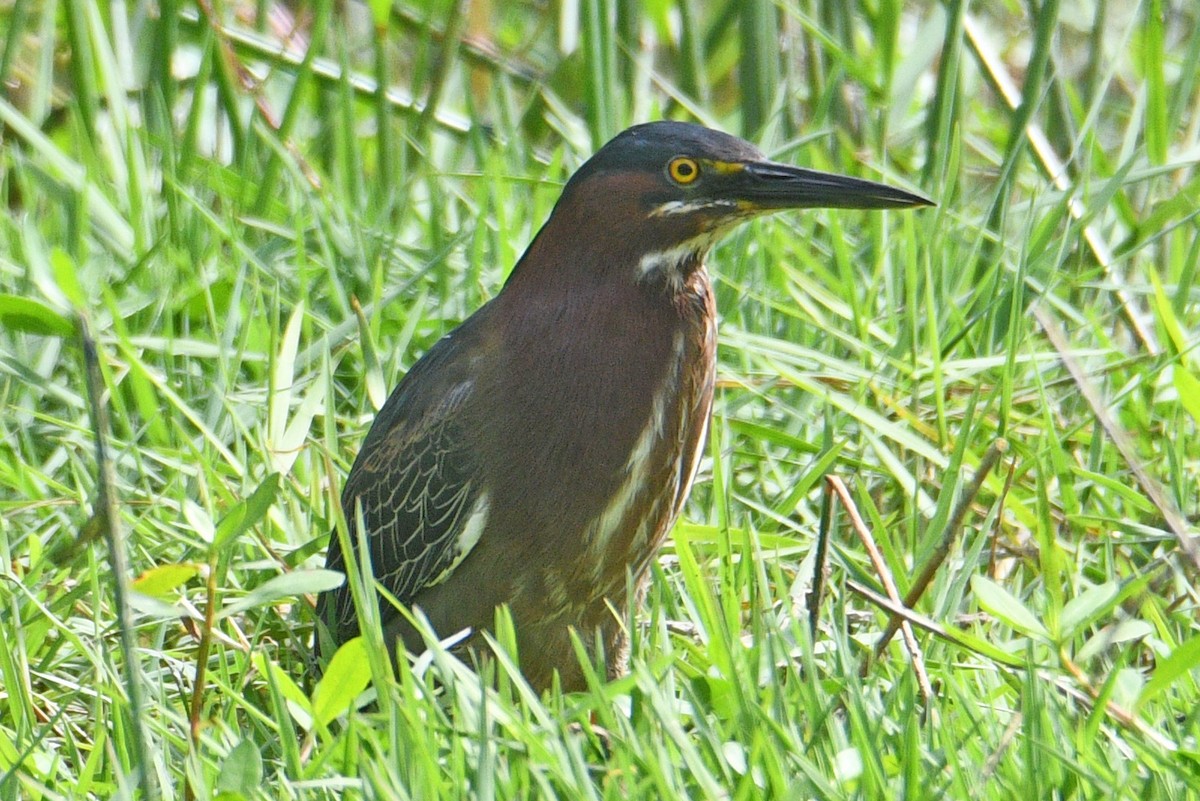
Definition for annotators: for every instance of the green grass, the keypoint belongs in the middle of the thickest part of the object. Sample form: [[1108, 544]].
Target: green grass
[[263, 241]]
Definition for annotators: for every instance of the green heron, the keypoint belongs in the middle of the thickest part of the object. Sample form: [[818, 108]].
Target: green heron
[[538, 455]]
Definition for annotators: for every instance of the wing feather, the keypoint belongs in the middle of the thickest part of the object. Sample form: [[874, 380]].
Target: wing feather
[[417, 482]]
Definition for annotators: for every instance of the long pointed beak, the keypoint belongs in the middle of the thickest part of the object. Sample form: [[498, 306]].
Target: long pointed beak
[[768, 185]]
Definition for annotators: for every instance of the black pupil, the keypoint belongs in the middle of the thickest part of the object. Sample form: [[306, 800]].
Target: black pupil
[[683, 169]]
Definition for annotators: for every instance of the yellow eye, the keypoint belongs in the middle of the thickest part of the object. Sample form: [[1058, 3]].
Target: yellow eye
[[683, 170]]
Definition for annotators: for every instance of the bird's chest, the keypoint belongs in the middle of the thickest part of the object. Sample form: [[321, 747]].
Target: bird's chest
[[647, 491], [607, 405]]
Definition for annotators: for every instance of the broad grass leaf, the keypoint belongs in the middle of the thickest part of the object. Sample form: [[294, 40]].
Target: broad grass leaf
[[31, 316], [248, 512], [1188, 387], [346, 676], [1087, 607], [161, 581], [1002, 604], [288, 585], [1185, 658], [241, 772]]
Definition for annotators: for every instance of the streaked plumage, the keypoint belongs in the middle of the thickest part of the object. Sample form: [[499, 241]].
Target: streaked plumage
[[538, 455]]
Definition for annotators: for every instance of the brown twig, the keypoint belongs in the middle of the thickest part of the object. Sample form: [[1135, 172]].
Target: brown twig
[[1166, 507], [885, 576], [205, 637], [1006, 739], [898, 609], [949, 535], [1052, 164]]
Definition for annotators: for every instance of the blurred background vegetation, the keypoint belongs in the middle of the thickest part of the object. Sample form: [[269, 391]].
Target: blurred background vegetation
[[268, 211]]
